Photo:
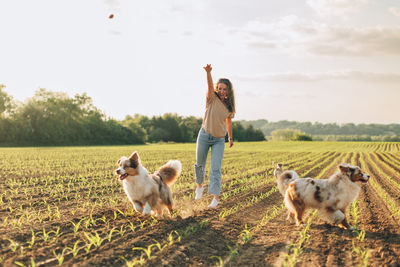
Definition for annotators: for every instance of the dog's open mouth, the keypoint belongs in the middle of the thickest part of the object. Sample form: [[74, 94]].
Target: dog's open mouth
[[123, 176]]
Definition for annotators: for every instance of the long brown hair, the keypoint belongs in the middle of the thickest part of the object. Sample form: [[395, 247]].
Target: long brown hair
[[230, 101]]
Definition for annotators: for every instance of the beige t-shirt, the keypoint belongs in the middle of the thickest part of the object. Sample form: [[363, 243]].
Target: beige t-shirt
[[215, 116]]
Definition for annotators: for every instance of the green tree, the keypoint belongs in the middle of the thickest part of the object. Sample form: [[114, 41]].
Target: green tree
[[6, 102], [140, 133], [190, 127]]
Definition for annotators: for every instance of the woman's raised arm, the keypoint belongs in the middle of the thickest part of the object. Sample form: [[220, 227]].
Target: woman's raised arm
[[210, 83]]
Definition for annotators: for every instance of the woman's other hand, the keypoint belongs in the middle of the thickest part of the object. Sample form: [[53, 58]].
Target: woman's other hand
[[208, 68]]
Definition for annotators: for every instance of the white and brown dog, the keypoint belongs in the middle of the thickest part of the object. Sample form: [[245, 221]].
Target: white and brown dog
[[330, 196], [148, 192], [284, 178]]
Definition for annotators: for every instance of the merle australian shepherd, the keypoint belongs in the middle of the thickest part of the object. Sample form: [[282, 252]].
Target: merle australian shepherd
[[330, 196], [149, 193]]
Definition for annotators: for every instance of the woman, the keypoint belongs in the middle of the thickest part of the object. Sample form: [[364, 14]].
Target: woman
[[220, 109]]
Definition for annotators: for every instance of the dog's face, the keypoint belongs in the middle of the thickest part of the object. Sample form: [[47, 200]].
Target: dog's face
[[354, 173], [128, 166]]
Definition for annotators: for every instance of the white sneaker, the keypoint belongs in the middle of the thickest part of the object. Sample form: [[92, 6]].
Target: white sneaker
[[199, 193], [214, 203]]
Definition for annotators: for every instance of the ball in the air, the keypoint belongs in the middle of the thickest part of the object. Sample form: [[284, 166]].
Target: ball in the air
[[111, 16]]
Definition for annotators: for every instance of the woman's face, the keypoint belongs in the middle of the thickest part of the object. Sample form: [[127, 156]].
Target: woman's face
[[222, 91]]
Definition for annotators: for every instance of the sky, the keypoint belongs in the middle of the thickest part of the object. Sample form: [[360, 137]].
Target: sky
[[304, 60]]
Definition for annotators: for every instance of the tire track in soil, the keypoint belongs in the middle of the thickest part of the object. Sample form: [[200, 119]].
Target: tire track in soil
[[393, 157], [266, 246], [382, 231], [395, 170], [391, 190]]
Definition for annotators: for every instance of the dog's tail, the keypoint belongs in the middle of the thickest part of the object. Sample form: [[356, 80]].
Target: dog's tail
[[170, 172], [290, 196], [294, 203]]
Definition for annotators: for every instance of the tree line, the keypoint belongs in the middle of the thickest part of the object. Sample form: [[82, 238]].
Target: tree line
[[332, 131], [54, 118]]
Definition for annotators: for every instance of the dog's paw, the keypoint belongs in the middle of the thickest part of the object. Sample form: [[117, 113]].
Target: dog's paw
[[345, 226], [147, 209], [137, 207]]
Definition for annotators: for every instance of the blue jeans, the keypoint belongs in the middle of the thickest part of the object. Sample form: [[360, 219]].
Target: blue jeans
[[203, 144]]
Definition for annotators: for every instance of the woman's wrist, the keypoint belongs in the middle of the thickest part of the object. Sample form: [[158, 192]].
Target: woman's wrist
[[230, 138]]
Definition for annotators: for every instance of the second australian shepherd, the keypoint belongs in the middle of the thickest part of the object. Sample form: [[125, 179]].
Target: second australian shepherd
[[330, 196], [284, 178], [148, 192]]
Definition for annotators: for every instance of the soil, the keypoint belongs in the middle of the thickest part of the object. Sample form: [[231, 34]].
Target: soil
[[208, 240]]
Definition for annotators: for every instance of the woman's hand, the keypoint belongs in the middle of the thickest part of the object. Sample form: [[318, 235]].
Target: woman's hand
[[230, 143], [208, 68], [229, 129]]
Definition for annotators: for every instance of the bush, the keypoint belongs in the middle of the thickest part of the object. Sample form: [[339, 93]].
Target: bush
[[289, 135], [301, 137]]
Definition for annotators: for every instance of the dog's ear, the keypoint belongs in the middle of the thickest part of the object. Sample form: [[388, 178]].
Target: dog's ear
[[119, 161], [280, 165], [134, 157], [344, 168]]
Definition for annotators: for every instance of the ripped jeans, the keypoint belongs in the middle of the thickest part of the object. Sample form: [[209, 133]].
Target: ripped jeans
[[203, 144]]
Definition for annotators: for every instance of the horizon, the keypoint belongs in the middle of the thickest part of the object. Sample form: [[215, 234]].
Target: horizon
[[327, 61], [248, 120]]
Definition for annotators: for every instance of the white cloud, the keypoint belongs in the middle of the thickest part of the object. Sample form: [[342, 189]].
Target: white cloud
[[361, 76], [335, 7], [294, 35], [395, 11], [348, 41]]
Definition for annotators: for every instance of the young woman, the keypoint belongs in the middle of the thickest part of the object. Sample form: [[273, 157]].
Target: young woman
[[220, 109]]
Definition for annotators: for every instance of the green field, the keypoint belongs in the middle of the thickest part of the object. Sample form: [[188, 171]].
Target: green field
[[65, 206]]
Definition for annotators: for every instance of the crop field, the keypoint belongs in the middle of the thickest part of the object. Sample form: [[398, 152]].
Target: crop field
[[64, 206]]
